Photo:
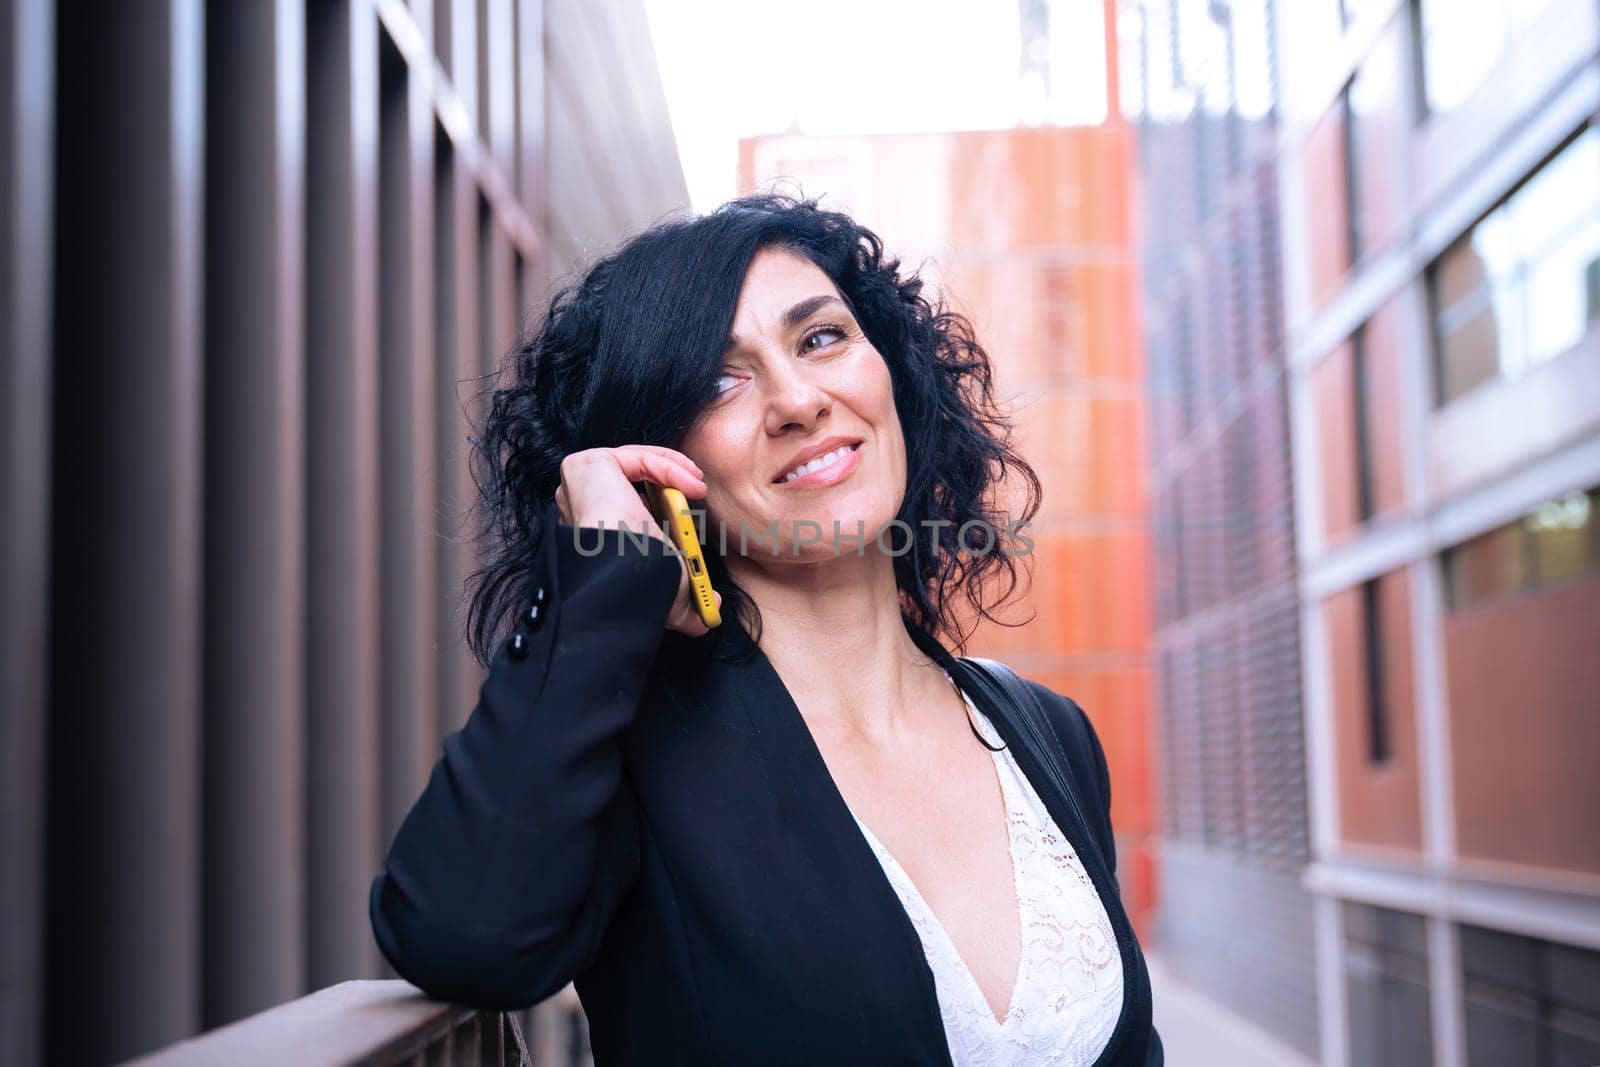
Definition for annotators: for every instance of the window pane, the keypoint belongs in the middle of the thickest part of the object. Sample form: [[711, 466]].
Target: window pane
[[1558, 540], [1562, 535], [1564, 192], [1496, 241], [1461, 42], [1487, 566], [1539, 253], [1459, 273], [1380, 129], [1469, 354], [1528, 1000], [1307, 26], [1386, 987], [1510, 320], [1560, 306]]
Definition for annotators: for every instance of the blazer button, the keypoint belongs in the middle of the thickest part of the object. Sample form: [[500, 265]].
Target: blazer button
[[538, 595], [517, 648], [534, 616]]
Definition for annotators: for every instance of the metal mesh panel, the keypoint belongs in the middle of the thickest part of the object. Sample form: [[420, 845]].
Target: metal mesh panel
[[1226, 615]]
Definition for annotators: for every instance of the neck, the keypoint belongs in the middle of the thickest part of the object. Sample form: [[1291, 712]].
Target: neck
[[833, 632]]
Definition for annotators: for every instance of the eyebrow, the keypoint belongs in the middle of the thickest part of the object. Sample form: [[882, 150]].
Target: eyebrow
[[797, 314]]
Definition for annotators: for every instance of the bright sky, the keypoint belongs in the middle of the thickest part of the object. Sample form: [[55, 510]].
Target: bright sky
[[735, 69]]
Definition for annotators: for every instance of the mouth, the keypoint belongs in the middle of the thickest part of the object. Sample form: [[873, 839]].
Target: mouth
[[827, 469]]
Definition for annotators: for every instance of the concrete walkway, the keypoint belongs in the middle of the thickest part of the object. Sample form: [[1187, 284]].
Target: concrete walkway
[[1196, 1031]]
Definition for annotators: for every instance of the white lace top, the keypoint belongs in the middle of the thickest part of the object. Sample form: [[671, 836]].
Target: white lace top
[[1068, 991]]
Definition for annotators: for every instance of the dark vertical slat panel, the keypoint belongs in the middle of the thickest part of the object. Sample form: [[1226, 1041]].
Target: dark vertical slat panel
[[466, 408], [469, 1041], [521, 291], [511, 298], [254, 470], [511, 160], [456, 400], [428, 522], [441, 1051], [343, 836], [396, 699], [530, 110], [408, 493], [483, 67], [467, 338], [617, 38], [491, 1036], [501, 104], [123, 942], [27, 149], [485, 243], [464, 52], [443, 35], [498, 283]]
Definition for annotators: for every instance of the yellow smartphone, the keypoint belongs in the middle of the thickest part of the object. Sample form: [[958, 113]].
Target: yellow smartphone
[[671, 509]]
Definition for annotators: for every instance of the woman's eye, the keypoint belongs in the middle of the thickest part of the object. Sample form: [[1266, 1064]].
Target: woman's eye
[[725, 382], [821, 332]]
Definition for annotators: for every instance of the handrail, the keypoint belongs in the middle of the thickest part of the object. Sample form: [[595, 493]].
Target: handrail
[[371, 1022]]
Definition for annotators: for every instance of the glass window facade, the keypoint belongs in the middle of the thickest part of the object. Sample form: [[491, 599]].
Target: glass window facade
[[1378, 127], [1386, 987], [1523, 285], [1463, 40], [1558, 541], [1529, 1001]]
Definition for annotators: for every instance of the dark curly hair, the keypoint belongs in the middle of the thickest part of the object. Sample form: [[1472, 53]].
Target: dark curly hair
[[630, 354]]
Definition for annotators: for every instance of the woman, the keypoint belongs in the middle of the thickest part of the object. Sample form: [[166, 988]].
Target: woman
[[794, 838]]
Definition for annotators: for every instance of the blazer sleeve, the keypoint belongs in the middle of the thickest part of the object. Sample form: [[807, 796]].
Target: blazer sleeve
[[1087, 759], [501, 880], [1103, 781]]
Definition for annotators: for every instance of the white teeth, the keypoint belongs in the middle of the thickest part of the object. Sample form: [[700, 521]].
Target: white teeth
[[818, 463]]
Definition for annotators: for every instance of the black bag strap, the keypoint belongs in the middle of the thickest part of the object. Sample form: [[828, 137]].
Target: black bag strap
[[1038, 728]]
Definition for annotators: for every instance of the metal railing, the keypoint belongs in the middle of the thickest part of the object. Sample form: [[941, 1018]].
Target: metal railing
[[375, 1023]]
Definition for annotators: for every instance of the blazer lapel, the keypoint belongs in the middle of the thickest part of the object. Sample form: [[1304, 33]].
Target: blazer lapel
[[821, 840], [857, 935]]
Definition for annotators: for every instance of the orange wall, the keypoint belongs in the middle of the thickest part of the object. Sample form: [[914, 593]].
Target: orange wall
[[1030, 233]]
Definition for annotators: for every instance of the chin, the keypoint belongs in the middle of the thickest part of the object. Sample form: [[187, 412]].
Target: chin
[[867, 509], [869, 523]]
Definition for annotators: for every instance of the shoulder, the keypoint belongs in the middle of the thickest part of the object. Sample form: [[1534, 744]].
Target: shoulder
[[1067, 712], [1071, 722]]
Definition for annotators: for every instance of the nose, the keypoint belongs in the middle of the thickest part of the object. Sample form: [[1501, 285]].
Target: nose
[[794, 402]]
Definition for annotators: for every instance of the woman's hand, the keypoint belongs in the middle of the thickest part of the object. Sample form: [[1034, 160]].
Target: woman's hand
[[597, 489]]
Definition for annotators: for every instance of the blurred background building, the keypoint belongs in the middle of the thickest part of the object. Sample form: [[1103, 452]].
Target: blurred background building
[[1200, 83], [258, 258], [1294, 303], [1424, 371]]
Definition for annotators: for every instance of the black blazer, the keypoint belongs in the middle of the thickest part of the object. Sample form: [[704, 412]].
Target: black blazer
[[659, 827]]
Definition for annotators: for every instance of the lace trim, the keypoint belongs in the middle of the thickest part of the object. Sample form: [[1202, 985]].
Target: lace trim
[[1068, 992]]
